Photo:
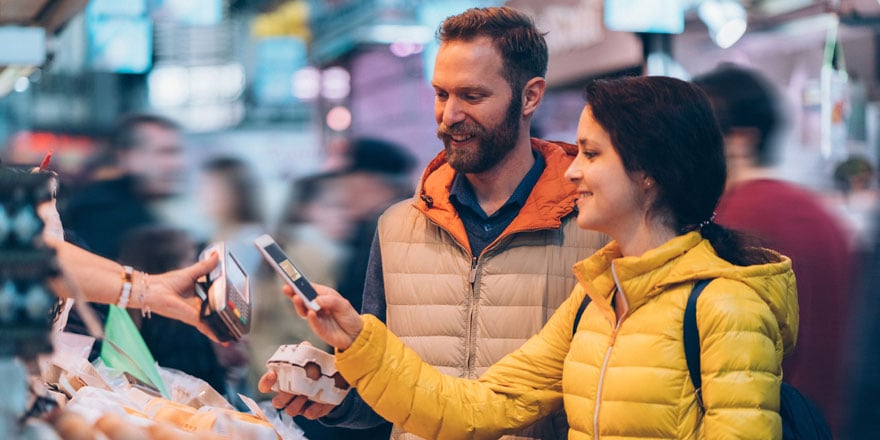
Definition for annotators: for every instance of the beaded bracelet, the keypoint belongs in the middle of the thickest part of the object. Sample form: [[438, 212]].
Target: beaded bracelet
[[145, 309], [127, 272]]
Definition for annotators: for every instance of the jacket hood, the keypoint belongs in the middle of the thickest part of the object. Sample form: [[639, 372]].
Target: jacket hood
[[552, 198], [684, 260]]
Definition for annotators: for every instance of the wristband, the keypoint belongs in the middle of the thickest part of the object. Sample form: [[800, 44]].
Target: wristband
[[126, 286]]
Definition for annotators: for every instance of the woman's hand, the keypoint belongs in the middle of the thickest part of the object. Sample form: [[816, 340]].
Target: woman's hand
[[171, 294], [337, 323]]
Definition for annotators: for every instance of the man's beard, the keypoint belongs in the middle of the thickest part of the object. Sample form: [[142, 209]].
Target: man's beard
[[495, 143]]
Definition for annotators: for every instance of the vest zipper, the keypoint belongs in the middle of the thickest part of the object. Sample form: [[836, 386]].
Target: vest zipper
[[619, 297], [471, 334], [472, 275]]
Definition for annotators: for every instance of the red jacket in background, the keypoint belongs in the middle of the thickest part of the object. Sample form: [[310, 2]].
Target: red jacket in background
[[793, 221]]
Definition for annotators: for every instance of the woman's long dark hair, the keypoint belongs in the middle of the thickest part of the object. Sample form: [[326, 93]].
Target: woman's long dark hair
[[665, 128]]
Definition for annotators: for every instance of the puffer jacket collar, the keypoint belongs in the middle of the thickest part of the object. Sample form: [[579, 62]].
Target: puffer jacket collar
[[684, 260], [547, 204]]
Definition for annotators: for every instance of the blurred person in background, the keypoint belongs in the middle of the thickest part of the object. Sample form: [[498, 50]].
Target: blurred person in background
[[789, 219], [229, 193], [861, 415], [479, 259], [312, 231], [856, 199], [316, 224], [339, 207], [174, 344], [142, 161], [378, 174]]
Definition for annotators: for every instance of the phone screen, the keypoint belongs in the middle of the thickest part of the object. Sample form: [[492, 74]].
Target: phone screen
[[235, 276], [289, 270]]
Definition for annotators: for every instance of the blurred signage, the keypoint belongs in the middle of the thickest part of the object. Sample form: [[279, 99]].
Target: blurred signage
[[580, 45], [120, 36], [277, 60], [188, 12], [335, 25], [338, 26], [655, 16]]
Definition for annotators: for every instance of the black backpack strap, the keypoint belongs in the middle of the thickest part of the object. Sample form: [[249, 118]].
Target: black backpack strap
[[692, 338], [577, 318]]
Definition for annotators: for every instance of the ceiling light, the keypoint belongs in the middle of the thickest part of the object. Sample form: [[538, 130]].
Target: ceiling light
[[726, 20]]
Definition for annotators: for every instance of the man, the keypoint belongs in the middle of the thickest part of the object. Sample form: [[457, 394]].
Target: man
[[143, 162], [480, 258], [790, 220]]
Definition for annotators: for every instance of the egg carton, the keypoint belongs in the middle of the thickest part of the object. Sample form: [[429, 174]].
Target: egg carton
[[305, 370]]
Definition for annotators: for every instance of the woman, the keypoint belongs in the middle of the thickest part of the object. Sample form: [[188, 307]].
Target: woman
[[229, 191], [649, 173]]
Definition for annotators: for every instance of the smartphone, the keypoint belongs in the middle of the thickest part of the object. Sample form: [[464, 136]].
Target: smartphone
[[279, 261], [228, 294]]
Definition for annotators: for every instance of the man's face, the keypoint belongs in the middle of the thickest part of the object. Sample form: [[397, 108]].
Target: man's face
[[157, 162], [478, 117]]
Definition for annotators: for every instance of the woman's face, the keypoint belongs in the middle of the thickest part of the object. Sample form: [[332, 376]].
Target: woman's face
[[609, 199], [215, 196]]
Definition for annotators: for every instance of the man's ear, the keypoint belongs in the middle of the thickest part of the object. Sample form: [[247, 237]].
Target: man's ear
[[533, 93]]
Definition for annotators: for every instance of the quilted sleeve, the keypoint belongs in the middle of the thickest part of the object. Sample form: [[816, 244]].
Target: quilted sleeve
[[741, 355], [519, 390]]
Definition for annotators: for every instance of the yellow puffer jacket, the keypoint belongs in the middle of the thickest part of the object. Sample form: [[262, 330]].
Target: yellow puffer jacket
[[618, 379]]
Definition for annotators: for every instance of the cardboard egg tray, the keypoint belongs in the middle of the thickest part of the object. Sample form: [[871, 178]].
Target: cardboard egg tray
[[305, 370]]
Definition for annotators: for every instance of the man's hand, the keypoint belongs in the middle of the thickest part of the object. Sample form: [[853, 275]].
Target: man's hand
[[293, 405]]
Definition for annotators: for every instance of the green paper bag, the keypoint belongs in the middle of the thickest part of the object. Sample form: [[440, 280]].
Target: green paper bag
[[124, 349]]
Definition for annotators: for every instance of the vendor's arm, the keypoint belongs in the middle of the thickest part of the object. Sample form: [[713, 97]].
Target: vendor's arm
[[522, 388], [100, 280]]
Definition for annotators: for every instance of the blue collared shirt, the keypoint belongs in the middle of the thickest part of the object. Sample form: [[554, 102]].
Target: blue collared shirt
[[483, 229]]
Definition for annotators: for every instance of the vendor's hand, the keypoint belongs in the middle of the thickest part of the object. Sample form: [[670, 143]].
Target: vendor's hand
[[172, 294], [292, 404], [52, 228], [337, 323]]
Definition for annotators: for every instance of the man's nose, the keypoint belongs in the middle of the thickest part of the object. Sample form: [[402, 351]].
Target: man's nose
[[452, 112]]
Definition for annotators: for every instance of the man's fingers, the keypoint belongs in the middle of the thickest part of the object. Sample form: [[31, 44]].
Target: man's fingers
[[317, 410], [282, 400], [266, 382], [296, 405]]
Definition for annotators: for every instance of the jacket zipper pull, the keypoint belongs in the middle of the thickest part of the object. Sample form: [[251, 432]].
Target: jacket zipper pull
[[472, 276]]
